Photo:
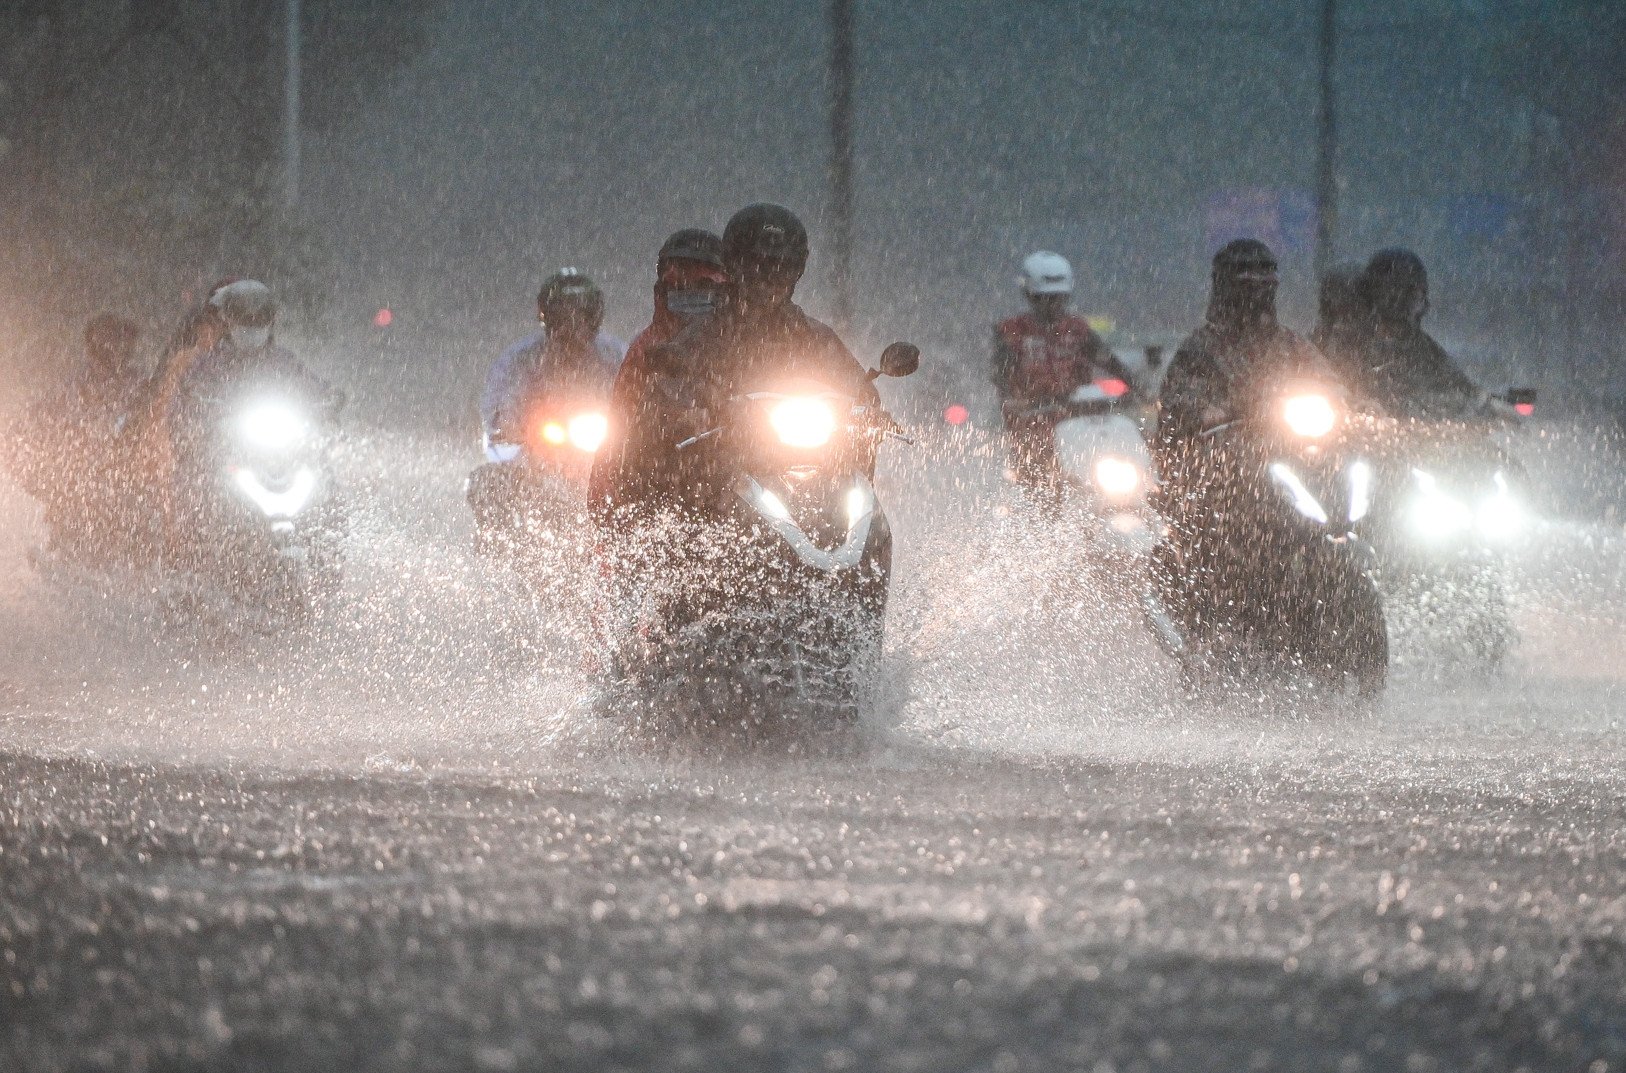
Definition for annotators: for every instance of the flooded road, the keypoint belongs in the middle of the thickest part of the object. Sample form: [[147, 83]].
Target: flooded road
[[397, 842]]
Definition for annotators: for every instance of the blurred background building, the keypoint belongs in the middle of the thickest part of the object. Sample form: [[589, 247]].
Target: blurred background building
[[451, 154]]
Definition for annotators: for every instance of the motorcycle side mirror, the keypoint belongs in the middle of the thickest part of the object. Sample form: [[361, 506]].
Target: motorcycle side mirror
[[899, 359]]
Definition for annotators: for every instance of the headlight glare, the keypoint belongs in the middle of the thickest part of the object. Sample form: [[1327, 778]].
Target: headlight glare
[[802, 422], [1117, 477], [587, 431], [272, 426], [1434, 514], [1310, 414], [1501, 516]]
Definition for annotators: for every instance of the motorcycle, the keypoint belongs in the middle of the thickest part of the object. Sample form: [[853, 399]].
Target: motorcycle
[[1103, 467], [1447, 509], [263, 518], [770, 606], [1263, 572], [536, 475]]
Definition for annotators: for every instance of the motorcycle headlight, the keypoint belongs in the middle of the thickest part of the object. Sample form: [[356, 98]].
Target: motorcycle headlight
[[1304, 501], [802, 422], [587, 431], [1360, 490], [1311, 415], [859, 503], [272, 426], [1117, 477], [1435, 514], [1501, 516]]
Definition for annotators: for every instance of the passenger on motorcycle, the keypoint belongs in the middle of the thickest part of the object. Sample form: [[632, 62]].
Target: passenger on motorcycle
[[1040, 358], [568, 356], [64, 453], [146, 436], [758, 332], [689, 277], [245, 356], [1401, 368]]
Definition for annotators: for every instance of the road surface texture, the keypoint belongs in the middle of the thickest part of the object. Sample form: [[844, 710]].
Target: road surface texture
[[398, 844]]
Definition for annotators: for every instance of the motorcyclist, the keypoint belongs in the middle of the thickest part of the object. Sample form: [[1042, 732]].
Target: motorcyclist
[[689, 277], [1208, 492], [758, 332], [65, 453], [568, 354], [147, 438], [1218, 368], [1402, 369], [1041, 357], [245, 354]]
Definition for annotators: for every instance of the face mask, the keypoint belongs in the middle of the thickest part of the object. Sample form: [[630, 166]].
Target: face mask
[[250, 338], [691, 303]]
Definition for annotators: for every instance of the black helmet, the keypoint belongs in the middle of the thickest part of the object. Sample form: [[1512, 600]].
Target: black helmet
[[570, 291], [1398, 266], [764, 241], [1339, 298], [692, 244], [1244, 292], [1245, 258], [1395, 285]]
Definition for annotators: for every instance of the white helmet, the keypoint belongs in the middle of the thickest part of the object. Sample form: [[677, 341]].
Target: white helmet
[[1046, 273], [248, 310]]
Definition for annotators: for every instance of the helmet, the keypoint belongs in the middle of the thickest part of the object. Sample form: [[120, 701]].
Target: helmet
[[1244, 285], [569, 291], [246, 303], [1395, 285], [1397, 266], [764, 241], [1245, 259], [1046, 273], [692, 244], [248, 310], [689, 274]]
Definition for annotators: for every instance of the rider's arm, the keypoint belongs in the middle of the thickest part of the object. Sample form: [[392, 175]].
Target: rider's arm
[[1448, 385], [1193, 395], [500, 397], [625, 409]]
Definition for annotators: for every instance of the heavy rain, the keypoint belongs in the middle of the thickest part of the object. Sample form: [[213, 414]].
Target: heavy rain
[[1199, 646]]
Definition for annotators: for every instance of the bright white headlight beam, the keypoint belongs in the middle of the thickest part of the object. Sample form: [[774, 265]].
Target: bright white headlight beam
[[1117, 477], [1309, 415], [803, 422], [273, 426], [587, 431]]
